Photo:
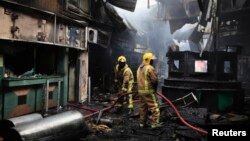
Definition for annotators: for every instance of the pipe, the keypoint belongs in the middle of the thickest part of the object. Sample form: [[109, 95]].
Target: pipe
[[54, 33], [181, 118], [58, 96], [107, 108], [106, 121], [46, 104], [12, 122], [16, 121], [63, 126], [89, 91], [99, 116]]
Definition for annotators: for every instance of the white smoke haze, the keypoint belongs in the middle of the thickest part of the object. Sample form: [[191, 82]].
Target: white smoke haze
[[152, 21], [145, 22]]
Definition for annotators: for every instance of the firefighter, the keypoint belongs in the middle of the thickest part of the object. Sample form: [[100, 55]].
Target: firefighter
[[124, 79], [147, 84]]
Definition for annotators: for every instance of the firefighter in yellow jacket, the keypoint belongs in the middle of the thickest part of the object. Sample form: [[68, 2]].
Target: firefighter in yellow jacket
[[125, 80], [147, 85]]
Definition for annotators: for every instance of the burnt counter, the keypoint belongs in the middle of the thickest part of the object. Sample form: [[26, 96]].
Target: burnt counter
[[13, 82], [214, 95], [22, 96]]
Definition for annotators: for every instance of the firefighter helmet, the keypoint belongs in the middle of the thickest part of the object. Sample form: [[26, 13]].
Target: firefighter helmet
[[147, 57], [121, 59]]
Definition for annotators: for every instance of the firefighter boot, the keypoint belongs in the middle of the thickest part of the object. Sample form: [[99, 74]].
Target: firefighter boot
[[130, 112]]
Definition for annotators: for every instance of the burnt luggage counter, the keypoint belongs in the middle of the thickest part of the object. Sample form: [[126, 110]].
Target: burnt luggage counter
[[26, 95], [211, 76], [214, 95]]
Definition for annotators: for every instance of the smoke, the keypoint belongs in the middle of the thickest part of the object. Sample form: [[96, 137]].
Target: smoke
[[150, 21], [155, 33]]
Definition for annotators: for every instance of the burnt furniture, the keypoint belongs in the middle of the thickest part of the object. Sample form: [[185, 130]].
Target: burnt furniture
[[211, 76]]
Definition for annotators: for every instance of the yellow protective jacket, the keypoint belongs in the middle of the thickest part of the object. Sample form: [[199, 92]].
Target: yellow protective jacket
[[125, 78], [146, 79]]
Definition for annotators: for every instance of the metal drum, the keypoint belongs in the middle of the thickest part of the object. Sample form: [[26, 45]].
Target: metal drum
[[12, 122], [63, 126]]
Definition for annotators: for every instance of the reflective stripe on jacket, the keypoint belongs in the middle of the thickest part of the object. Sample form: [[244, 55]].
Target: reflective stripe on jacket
[[146, 79], [125, 78]]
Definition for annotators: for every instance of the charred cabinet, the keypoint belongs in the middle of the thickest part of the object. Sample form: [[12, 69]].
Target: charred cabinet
[[34, 57], [31, 74], [212, 77], [27, 95]]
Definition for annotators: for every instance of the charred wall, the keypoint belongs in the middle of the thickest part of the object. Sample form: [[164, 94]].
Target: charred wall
[[59, 6], [234, 37]]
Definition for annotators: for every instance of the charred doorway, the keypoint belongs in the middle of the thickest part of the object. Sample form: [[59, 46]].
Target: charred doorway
[[73, 55], [100, 67]]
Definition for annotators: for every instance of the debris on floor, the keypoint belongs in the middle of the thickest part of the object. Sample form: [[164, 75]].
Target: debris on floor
[[117, 125]]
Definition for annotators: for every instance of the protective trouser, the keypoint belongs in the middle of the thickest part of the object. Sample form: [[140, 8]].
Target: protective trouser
[[149, 102]]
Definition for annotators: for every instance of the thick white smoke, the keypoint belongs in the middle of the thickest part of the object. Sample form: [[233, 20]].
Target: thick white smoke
[[148, 21]]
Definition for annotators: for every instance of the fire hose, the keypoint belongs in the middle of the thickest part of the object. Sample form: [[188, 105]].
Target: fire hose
[[202, 131], [107, 108], [181, 118]]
